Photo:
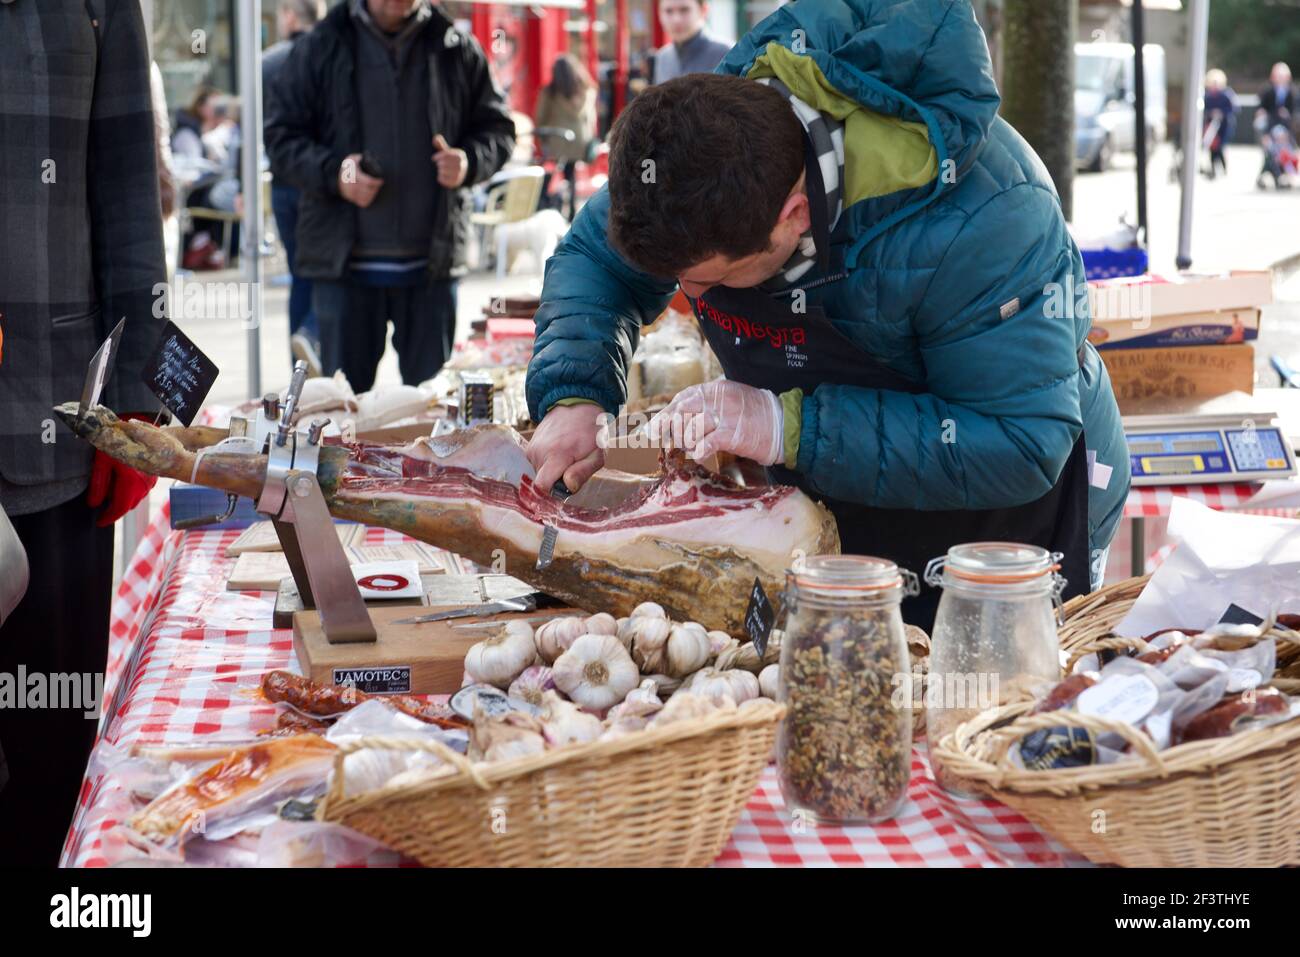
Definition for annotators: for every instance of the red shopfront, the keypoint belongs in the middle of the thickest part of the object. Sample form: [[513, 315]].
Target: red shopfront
[[613, 38]]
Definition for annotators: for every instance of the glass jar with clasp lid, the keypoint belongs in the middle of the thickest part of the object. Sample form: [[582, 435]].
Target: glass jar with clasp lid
[[995, 634], [844, 749]]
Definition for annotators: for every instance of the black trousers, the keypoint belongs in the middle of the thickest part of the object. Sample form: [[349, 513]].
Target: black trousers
[[59, 628], [354, 320]]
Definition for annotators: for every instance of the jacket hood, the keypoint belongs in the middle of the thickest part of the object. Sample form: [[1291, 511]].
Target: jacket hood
[[923, 61]]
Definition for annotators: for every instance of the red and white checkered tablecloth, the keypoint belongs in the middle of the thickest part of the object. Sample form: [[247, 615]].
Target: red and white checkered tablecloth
[[1152, 501], [187, 656]]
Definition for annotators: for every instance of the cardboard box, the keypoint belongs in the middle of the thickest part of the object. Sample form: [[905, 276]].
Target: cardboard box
[[1148, 297], [1199, 329], [1192, 374]]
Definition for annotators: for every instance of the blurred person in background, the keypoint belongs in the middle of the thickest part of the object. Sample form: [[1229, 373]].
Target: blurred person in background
[[78, 253], [1276, 123], [293, 20], [568, 103], [383, 116], [693, 49], [1220, 118], [194, 120]]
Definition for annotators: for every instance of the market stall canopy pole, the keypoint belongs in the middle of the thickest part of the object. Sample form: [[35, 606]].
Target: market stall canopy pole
[[1198, 38], [1140, 119], [249, 24]]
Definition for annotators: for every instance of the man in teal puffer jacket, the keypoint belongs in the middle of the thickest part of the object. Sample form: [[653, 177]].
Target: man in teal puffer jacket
[[883, 269]]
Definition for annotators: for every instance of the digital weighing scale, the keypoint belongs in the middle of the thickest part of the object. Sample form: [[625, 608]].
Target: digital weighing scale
[[1219, 449]]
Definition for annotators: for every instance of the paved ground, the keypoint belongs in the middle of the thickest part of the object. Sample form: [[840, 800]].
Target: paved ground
[[1235, 226], [222, 335]]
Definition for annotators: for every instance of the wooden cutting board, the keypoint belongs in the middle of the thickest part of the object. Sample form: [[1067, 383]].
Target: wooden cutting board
[[261, 537], [263, 571], [425, 658]]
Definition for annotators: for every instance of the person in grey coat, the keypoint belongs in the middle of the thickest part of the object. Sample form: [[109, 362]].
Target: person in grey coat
[[693, 49], [81, 248]]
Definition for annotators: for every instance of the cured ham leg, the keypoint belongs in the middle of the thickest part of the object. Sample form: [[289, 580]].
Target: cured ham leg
[[692, 541]]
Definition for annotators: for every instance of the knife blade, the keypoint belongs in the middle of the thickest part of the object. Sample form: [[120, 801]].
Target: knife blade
[[101, 366], [546, 553], [525, 603], [535, 620]]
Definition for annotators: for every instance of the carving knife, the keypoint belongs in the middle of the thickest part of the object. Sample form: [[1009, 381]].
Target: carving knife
[[546, 553]]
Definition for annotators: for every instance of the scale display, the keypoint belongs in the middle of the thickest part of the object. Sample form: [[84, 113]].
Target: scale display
[[1211, 452]]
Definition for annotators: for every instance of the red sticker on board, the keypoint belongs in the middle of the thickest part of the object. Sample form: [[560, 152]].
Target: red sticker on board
[[383, 582]]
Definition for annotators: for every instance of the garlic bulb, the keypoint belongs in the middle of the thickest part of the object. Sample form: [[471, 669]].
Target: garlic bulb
[[688, 648], [745, 656], [769, 681], [554, 637], [664, 685], [624, 725], [602, 624], [565, 723], [685, 706], [649, 609], [641, 702], [596, 672], [502, 657], [734, 685], [719, 641], [535, 681], [511, 735], [650, 642]]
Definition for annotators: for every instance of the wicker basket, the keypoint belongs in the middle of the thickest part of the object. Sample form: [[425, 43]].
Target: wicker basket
[[1226, 802], [656, 798]]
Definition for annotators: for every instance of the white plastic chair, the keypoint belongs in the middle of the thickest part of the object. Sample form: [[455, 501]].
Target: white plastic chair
[[512, 198]]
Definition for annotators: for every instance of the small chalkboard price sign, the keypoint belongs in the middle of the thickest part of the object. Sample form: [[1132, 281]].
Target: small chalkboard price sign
[[179, 374], [759, 618]]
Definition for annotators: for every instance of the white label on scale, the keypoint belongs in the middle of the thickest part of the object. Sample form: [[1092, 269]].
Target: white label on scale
[[1127, 698]]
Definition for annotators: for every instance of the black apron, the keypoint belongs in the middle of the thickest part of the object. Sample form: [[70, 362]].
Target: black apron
[[761, 341]]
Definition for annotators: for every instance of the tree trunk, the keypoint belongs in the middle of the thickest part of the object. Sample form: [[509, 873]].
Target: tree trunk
[[989, 14], [1038, 83]]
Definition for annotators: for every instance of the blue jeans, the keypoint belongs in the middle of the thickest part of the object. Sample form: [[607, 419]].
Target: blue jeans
[[354, 321], [284, 205]]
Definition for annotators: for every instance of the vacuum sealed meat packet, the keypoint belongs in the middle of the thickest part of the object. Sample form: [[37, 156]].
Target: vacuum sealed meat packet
[[1127, 690], [1248, 711], [1222, 640], [240, 791]]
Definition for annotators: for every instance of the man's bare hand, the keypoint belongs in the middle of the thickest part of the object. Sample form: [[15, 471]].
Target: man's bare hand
[[452, 164], [564, 446], [355, 185]]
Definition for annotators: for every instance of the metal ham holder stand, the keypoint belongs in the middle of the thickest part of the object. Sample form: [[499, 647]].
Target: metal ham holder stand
[[291, 498], [337, 639]]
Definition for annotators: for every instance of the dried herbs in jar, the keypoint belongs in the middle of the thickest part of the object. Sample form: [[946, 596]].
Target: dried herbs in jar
[[844, 751]]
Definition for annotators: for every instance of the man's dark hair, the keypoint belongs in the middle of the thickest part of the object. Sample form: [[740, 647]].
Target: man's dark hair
[[725, 152]]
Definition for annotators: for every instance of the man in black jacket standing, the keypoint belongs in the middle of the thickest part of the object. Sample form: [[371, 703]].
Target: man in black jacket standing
[[382, 116]]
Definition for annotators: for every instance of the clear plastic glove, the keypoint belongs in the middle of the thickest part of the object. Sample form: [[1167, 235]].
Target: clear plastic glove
[[723, 416]]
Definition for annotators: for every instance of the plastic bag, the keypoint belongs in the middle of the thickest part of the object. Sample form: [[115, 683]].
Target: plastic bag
[[373, 768]]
